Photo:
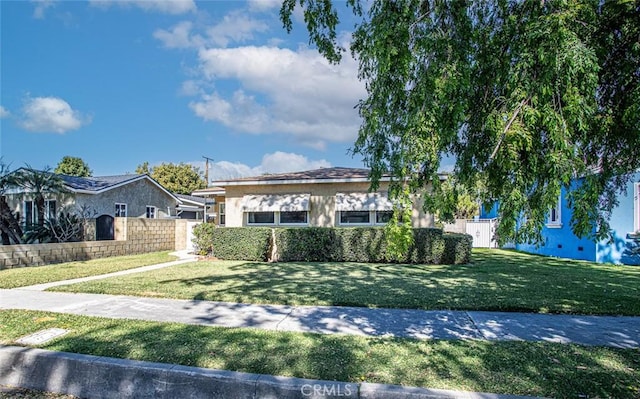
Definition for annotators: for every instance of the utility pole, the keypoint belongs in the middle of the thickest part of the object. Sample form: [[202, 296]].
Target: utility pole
[[206, 170]]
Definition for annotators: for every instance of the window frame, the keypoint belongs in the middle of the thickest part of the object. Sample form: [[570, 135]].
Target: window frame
[[281, 223], [121, 204], [155, 212], [29, 211], [261, 224], [373, 218], [48, 215], [557, 221], [222, 213]]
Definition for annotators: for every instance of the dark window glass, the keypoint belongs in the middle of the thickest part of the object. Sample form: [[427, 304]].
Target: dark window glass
[[383, 217], [354, 217], [261, 218], [293, 217]]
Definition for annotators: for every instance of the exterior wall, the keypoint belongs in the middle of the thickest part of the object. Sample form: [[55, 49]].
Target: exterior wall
[[560, 240], [137, 195], [322, 207], [622, 225], [135, 236]]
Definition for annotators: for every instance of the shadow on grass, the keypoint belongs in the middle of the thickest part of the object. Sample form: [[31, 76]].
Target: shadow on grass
[[562, 371], [495, 281]]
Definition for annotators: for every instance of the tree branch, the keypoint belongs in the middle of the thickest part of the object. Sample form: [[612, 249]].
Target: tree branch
[[506, 128]]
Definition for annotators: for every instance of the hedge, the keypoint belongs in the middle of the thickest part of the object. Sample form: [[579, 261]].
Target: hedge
[[324, 244], [233, 243]]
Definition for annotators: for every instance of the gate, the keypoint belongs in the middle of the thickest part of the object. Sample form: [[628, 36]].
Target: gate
[[104, 228], [483, 232]]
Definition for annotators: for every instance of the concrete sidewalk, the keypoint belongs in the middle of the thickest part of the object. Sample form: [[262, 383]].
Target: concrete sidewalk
[[614, 331]]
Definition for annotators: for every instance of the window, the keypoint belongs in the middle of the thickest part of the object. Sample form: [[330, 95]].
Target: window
[[121, 210], [30, 214], [222, 213], [151, 212], [50, 209], [354, 217], [383, 217], [555, 219], [261, 218], [297, 217]]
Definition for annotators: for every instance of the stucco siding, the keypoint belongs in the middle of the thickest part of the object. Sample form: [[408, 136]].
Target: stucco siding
[[322, 203], [137, 195]]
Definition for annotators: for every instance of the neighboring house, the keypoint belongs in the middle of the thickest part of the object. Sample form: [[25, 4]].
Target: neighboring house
[[322, 197], [137, 196], [192, 207], [560, 241], [215, 206]]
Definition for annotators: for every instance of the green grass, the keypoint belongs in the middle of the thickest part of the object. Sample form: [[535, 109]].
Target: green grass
[[24, 276], [495, 280], [524, 368]]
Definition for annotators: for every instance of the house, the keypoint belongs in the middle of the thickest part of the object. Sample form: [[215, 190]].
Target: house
[[323, 197], [192, 207], [560, 241], [214, 209], [137, 196]]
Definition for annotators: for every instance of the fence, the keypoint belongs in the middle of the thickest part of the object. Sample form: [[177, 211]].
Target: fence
[[132, 236], [483, 232]]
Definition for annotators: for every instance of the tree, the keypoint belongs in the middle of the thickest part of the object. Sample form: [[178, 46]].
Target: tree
[[10, 230], [37, 185], [73, 166], [525, 95], [179, 178]]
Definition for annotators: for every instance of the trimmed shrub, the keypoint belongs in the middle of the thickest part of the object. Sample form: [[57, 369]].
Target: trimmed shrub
[[203, 238], [457, 248], [240, 243], [363, 244], [308, 244]]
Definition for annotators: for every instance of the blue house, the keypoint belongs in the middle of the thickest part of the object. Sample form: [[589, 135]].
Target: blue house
[[560, 241]]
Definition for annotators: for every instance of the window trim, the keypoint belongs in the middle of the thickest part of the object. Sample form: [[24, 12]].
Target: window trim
[[292, 224], [126, 209], [261, 224], [33, 212], [373, 219], [155, 211], [47, 209], [557, 223], [222, 213]]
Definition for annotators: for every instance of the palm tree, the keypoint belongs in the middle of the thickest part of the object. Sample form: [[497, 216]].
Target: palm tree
[[38, 184], [10, 230]]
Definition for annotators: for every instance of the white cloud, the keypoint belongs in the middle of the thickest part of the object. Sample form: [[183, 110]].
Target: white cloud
[[277, 162], [4, 113], [264, 5], [51, 114], [41, 7], [173, 7], [306, 97], [179, 36], [235, 27]]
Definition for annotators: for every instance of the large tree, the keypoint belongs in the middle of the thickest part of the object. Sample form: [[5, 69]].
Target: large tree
[[526, 96], [73, 166], [179, 178]]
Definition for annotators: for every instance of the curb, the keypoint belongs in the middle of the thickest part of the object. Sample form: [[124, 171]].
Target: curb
[[104, 377]]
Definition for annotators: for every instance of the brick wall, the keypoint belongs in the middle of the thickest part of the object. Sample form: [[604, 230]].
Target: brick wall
[[133, 236]]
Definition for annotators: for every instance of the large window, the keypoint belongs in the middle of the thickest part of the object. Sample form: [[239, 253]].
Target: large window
[[30, 214], [50, 209], [121, 210], [554, 219], [355, 217], [261, 217], [296, 217], [151, 212]]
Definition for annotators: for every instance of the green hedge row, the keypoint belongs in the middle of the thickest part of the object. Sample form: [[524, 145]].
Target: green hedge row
[[321, 244]]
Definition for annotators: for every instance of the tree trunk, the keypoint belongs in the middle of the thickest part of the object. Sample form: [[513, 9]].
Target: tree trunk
[[8, 224]]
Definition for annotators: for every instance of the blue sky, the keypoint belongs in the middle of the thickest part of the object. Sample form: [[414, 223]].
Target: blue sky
[[121, 82]]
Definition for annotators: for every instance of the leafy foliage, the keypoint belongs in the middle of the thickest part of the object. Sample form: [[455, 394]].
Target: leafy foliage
[[178, 178], [525, 95], [238, 243], [73, 166]]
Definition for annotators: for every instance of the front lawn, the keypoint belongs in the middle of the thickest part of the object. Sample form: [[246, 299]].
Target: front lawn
[[522, 368], [495, 280], [24, 276]]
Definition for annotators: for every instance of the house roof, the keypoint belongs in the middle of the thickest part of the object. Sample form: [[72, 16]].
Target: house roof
[[324, 175], [193, 199], [212, 190]]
